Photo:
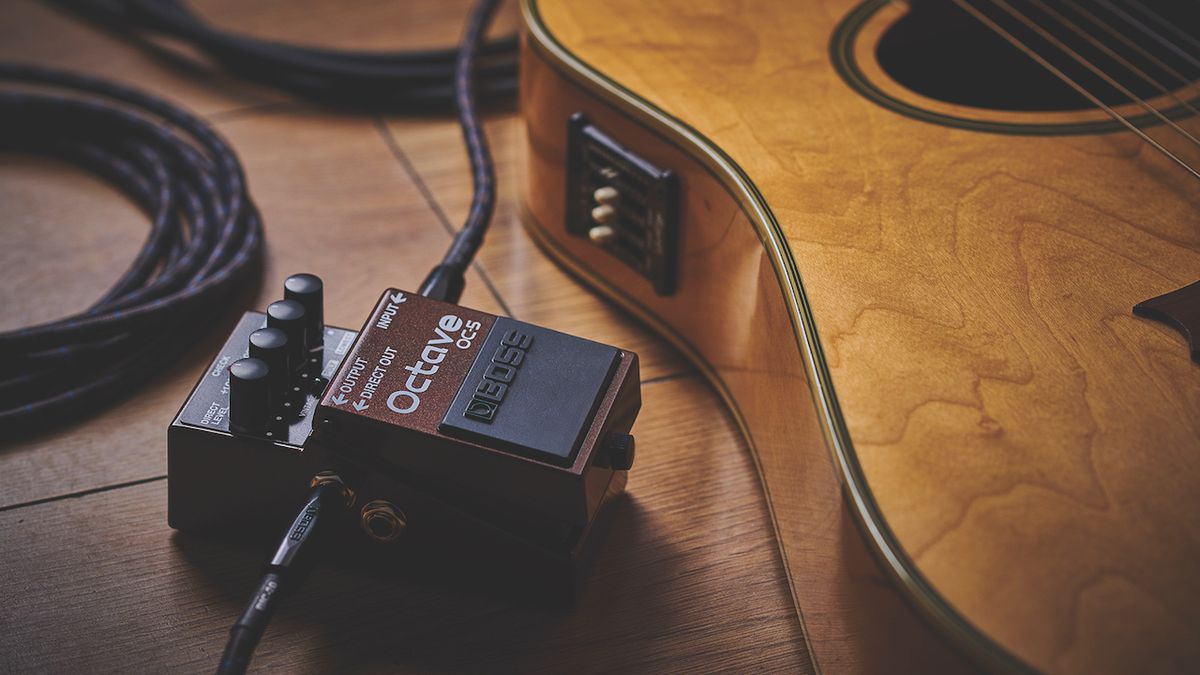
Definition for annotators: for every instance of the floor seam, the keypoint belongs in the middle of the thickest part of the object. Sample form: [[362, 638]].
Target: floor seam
[[432, 201], [82, 493]]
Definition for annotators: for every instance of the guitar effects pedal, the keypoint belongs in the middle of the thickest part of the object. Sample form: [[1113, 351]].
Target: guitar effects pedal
[[444, 421]]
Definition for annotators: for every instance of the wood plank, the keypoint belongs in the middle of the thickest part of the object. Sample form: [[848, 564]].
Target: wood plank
[[533, 287], [688, 578]]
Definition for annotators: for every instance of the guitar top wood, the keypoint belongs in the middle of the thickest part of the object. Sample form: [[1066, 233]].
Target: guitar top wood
[[1033, 446]]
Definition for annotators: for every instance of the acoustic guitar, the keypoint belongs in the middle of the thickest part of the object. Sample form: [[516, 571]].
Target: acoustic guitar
[[905, 242]]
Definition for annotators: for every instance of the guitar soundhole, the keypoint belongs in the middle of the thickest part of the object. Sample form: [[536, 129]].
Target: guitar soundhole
[[941, 51]]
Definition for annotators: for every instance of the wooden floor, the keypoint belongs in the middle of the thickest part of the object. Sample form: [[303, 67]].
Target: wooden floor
[[91, 577]]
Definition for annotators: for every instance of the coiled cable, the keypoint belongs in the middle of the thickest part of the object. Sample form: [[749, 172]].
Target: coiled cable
[[205, 239]]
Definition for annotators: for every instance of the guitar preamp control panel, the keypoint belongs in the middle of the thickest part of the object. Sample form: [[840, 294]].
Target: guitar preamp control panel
[[447, 416], [623, 203]]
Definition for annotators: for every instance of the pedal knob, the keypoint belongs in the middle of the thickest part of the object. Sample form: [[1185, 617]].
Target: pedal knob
[[249, 396], [308, 290], [270, 345], [288, 316]]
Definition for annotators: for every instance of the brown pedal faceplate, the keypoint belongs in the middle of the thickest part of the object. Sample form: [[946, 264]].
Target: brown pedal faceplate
[[535, 413]]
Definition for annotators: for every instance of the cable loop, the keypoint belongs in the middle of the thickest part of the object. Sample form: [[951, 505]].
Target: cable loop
[[205, 239]]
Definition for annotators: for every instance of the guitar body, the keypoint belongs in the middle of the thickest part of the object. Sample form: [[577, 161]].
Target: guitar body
[[919, 312]]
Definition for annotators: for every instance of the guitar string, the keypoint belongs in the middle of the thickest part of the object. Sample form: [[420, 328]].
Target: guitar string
[[1110, 52], [1096, 70], [1125, 40], [1008, 8], [1131, 20], [1016, 42], [1163, 22], [1182, 79]]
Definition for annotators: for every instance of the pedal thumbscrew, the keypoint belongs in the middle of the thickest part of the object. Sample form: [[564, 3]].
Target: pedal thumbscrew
[[619, 450]]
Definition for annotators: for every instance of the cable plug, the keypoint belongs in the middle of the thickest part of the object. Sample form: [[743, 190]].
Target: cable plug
[[286, 569]]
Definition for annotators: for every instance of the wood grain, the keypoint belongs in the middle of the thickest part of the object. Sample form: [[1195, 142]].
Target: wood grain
[[99, 583], [689, 577], [737, 328], [1030, 443]]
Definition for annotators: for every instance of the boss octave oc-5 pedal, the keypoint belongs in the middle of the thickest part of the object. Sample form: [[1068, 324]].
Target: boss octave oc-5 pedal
[[444, 421]]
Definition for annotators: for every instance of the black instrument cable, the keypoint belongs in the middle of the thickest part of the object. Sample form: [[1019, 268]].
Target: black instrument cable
[[445, 282], [374, 80], [205, 239], [287, 568]]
